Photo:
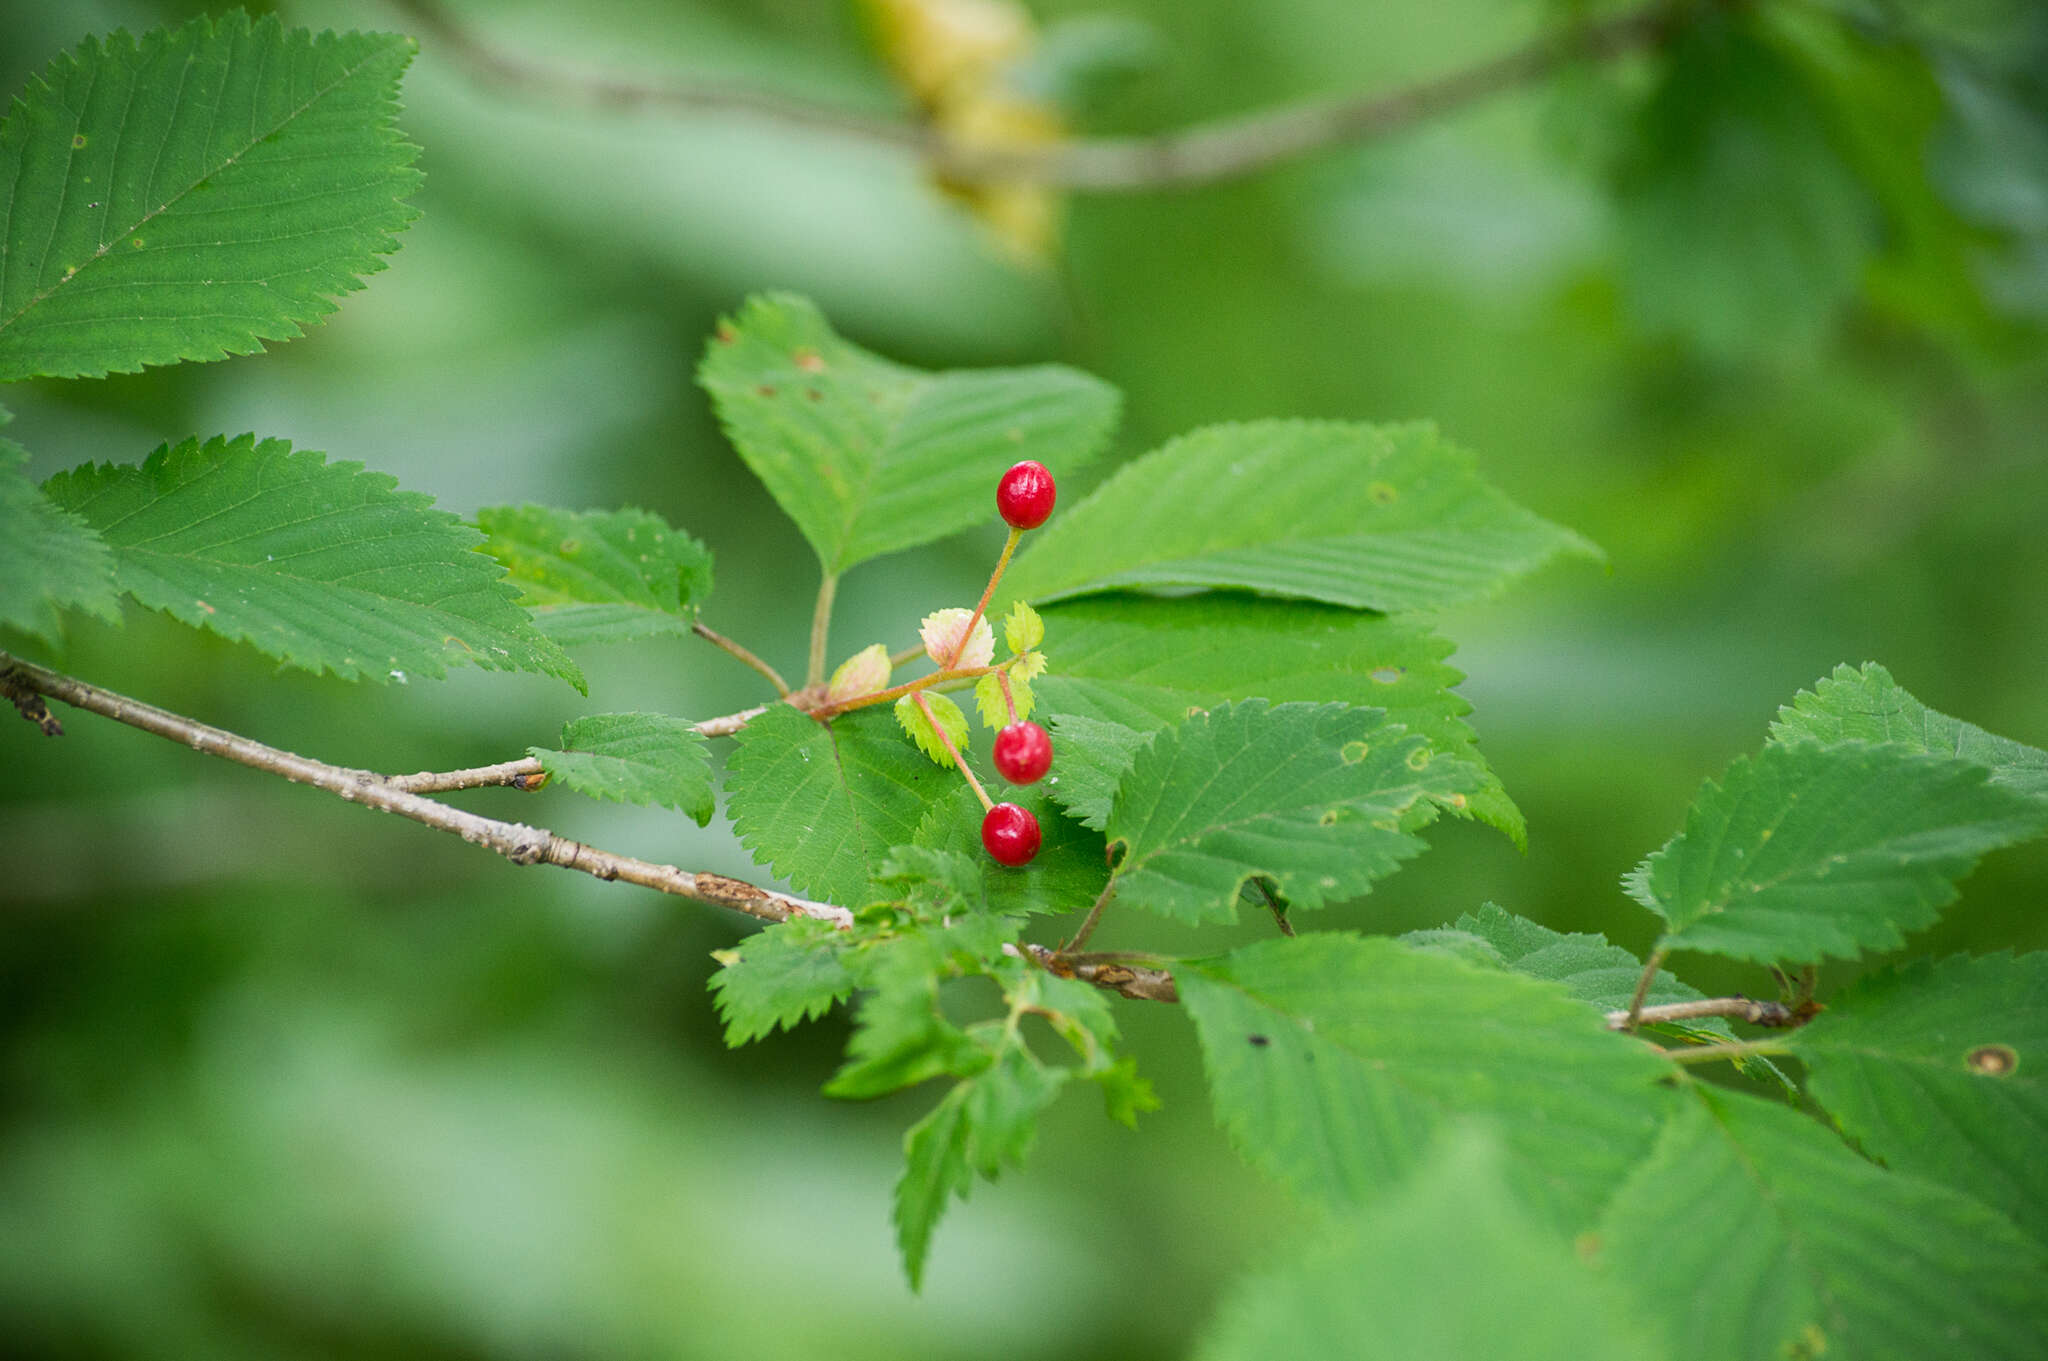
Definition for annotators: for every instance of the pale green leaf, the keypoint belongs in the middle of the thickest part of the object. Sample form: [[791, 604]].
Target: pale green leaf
[[869, 456], [635, 758], [1023, 629], [1321, 800], [1941, 1069], [1752, 1232], [1381, 517], [50, 560], [930, 739], [786, 974], [1449, 1268], [321, 565], [821, 806], [599, 576], [1334, 1061], [194, 193], [1804, 851], [1867, 705], [1146, 662], [995, 708]]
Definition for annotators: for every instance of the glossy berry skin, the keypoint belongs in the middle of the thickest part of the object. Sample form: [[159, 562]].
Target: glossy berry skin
[[1025, 495], [1023, 753], [1010, 834]]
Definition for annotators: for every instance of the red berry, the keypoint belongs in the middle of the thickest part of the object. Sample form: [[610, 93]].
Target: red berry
[[1010, 833], [1025, 495], [1023, 753]]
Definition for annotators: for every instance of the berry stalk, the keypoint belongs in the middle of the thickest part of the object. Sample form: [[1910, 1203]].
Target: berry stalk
[[925, 707], [981, 606]]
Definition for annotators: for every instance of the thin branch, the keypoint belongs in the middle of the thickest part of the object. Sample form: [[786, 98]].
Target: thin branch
[[1775, 1015], [1206, 153], [726, 644], [1635, 1002], [821, 627], [524, 773], [1735, 1049], [1130, 976], [517, 842], [1094, 916], [823, 710]]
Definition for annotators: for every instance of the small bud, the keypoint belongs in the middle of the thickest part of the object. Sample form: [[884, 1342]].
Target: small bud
[[865, 672], [941, 633]]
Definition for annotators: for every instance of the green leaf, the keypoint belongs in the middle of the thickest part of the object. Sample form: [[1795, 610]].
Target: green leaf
[[1741, 225], [1146, 663], [901, 1038], [1450, 1267], [1334, 1060], [1867, 705], [868, 456], [1601, 975], [1093, 755], [951, 722], [783, 975], [50, 560], [599, 576], [321, 565], [1803, 851], [195, 193], [1320, 799], [984, 1123], [635, 758], [1941, 1070], [821, 806], [1753, 1232], [1380, 517]]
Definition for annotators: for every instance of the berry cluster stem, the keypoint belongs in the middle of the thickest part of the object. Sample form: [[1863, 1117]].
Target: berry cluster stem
[[925, 706], [1009, 700], [1009, 547], [896, 692]]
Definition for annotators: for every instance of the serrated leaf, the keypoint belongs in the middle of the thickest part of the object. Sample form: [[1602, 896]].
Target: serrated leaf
[[1601, 975], [951, 722], [194, 193], [1752, 1232], [900, 1036], [321, 565], [986, 1122], [635, 758], [599, 576], [821, 806], [1318, 799], [1941, 1069], [1023, 629], [786, 974], [1866, 705], [1065, 876], [1145, 663], [1093, 756], [1380, 517], [50, 560], [1335, 1060], [1450, 1266], [869, 456], [1803, 851]]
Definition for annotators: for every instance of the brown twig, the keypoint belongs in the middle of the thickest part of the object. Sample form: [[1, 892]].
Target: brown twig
[[725, 644], [1203, 154], [1775, 1015], [517, 842], [1132, 976], [524, 773], [1635, 1002]]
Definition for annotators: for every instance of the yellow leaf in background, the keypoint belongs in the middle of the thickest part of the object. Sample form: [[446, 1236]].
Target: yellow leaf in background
[[955, 57]]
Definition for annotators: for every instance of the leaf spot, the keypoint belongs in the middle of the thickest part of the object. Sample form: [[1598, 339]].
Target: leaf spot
[[1382, 493], [1387, 675], [765, 390], [1993, 1060], [809, 360], [1418, 758], [1354, 752], [1257, 1041], [204, 606], [77, 141]]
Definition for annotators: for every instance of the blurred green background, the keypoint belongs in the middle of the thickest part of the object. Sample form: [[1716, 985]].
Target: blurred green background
[[1763, 315]]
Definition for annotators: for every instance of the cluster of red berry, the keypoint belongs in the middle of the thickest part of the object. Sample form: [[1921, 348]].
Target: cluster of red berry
[[1023, 751]]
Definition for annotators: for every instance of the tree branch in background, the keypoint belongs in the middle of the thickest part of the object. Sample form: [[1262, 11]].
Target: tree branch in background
[[726, 644], [1206, 153]]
